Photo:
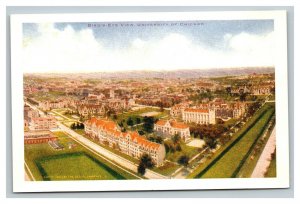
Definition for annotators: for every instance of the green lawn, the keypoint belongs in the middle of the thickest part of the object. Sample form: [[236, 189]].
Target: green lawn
[[36, 152], [228, 160], [65, 167], [51, 95], [185, 150], [167, 169]]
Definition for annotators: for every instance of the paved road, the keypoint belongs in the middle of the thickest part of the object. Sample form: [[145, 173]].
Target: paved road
[[265, 158], [111, 156]]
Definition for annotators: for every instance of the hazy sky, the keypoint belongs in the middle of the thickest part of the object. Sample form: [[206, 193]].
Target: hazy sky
[[81, 47]]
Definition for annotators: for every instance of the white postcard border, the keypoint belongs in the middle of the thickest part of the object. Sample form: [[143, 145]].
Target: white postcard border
[[282, 180]]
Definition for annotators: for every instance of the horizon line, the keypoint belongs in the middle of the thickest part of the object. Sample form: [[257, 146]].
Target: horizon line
[[148, 70]]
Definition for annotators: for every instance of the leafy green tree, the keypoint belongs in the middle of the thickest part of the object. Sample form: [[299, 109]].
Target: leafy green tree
[[243, 96], [148, 124], [211, 142], [130, 121], [138, 120], [115, 117], [81, 126], [178, 148], [228, 90], [159, 140], [141, 169], [176, 139], [147, 161], [183, 160], [252, 108]]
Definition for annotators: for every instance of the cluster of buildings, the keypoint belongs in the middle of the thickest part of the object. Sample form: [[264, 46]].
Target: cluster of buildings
[[91, 104], [130, 143], [53, 104], [256, 90], [206, 113], [34, 121]]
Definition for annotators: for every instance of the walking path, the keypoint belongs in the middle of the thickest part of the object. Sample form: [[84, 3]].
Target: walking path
[[106, 153], [265, 158]]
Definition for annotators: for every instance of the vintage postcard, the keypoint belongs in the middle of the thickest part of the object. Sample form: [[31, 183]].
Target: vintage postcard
[[149, 101]]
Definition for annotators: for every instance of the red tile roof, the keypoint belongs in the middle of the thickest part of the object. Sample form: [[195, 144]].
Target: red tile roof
[[173, 123], [111, 127], [179, 125], [161, 122]]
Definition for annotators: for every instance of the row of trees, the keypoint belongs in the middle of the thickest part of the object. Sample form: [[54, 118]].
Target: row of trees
[[252, 108], [147, 127], [131, 122], [154, 138], [210, 133], [77, 126]]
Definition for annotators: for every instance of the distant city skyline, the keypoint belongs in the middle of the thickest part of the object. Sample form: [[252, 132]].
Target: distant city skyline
[[153, 46]]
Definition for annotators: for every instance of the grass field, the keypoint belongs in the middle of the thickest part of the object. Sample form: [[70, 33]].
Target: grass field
[[65, 167], [185, 150], [229, 158], [37, 152], [167, 169]]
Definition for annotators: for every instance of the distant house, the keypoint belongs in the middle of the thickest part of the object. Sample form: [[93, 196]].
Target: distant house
[[43, 123], [240, 89], [177, 109], [203, 86], [261, 90], [88, 109], [229, 110], [170, 128], [48, 105]]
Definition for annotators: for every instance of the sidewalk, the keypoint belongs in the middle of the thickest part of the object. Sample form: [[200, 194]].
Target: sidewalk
[[265, 158]]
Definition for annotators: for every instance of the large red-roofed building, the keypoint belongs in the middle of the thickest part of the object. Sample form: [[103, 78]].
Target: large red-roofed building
[[130, 143]]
